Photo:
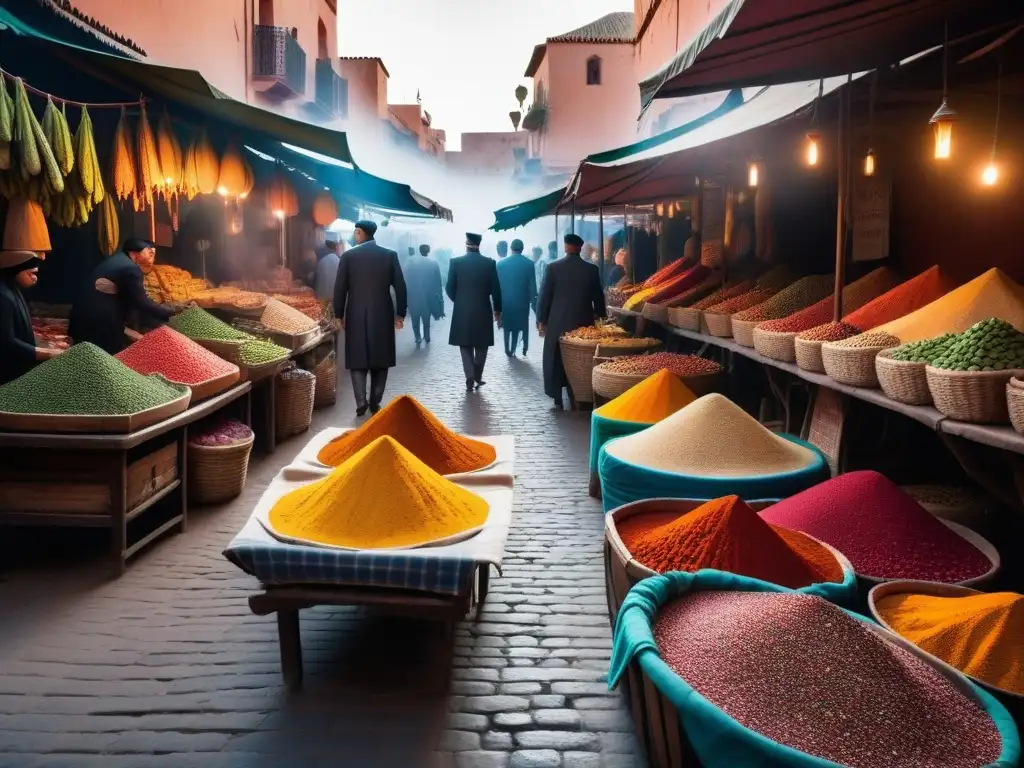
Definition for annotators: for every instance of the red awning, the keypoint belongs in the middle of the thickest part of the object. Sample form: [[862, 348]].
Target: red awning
[[770, 42]]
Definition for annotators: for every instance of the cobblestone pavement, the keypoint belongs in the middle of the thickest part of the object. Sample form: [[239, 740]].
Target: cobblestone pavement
[[166, 666]]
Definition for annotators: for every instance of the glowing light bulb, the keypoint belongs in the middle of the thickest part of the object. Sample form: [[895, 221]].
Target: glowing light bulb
[[168, 181], [222, 191], [869, 163], [942, 121], [752, 175], [812, 152], [279, 214], [990, 175]]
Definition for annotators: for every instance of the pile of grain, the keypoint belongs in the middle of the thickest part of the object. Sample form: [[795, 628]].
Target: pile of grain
[[679, 365], [802, 293], [280, 317], [855, 295], [176, 357], [723, 294], [197, 323]]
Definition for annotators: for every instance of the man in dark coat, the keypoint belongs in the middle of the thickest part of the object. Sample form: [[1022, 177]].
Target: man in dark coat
[[114, 290], [518, 281], [570, 297], [367, 274], [474, 289], [19, 351], [423, 284]]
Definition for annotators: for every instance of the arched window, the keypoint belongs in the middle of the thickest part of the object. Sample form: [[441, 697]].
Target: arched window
[[266, 16], [321, 40], [594, 70]]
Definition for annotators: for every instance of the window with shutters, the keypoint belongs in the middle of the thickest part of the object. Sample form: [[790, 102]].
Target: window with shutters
[[594, 70]]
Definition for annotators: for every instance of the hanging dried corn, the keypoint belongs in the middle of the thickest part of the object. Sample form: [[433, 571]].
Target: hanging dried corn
[[123, 170], [150, 175], [87, 162], [190, 173], [250, 180], [55, 129], [207, 164], [28, 152], [169, 151], [231, 181], [6, 125], [109, 229]]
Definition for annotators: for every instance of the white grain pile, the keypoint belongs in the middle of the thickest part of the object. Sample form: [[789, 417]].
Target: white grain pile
[[278, 316]]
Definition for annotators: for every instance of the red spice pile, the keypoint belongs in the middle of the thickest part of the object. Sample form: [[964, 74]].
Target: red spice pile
[[743, 301], [727, 535], [176, 357], [804, 673], [724, 294], [830, 332], [882, 531], [679, 284]]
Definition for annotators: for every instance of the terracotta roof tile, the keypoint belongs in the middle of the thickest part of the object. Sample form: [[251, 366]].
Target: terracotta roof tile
[[613, 28]]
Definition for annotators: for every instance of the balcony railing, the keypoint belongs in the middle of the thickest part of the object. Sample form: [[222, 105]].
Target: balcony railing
[[331, 89], [278, 58]]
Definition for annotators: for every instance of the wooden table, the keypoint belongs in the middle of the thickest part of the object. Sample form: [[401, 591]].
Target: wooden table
[[64, 459]]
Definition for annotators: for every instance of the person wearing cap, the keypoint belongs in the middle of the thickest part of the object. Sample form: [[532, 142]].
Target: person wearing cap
[[18, 349], [474, 289], [570, 297], [326, 274], [518, 280], [502, 249], [367, 275], [114, 291], [423, 284]]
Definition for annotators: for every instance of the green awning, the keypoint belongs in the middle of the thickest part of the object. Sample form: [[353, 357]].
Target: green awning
[[51, 22], [523, 213]]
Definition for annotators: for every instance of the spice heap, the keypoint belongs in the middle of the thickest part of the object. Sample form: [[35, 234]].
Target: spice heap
[[855, 295], [420, 432], [981, 635], [666, 273], [659, 395], [804, 673], [882, 531], [991, 345], [923, 351], [221, 432], [744, 301], [257, 353], [197, 323], [712, 437], [829, 332], [727, 535], [687, 297], [993, 294], [176, 357], [629, 341], [679, 365], [307, 304], [165, 283], [670, 288], [724, 294], [869, 340], [905, 298], [85, 381], [777, 278], [280, 317], [802, 293], [594, 333], [383, 496]]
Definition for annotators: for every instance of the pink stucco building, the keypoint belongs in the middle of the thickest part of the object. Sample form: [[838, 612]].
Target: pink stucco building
[[489, 154]]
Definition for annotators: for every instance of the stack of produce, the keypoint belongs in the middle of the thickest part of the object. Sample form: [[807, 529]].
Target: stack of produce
[[990, 345], [801, 294], [50, 332], [254, 354], [727, 535], [382, 497], [718, 317], [776, 338], [668, 288], [280, 317], [200, 325], [166, 284], [86, 381], [420, 432], [883, 532], [179, 359], [594, 333], [708, 449], [980, 635], [220, 433], [923, 351], [788, 678]]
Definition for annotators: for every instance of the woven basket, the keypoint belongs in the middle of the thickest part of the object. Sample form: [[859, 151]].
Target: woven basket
[[657, 313], [216, 473], [808, 355], [717, 324], [778, 345], [975, 396], [685, 318], [851, 365], [902, 381], [611, 384], [326, 391], [578, 358], [743, 330], [294, 402], [1015, 403]]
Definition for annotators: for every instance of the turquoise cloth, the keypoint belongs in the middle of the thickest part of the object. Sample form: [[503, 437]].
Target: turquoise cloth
[[623, 482], [718, 740], [602, 430]]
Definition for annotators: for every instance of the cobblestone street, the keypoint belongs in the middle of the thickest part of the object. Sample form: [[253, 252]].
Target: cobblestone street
[[166, 666]]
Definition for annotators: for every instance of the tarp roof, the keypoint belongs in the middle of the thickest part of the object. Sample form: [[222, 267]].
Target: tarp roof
[[523, 213], [771, 42]]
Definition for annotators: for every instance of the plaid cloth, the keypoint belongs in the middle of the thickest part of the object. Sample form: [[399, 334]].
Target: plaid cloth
[[279, 563]]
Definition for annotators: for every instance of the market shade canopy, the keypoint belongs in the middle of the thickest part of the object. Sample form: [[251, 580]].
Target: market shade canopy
[[523, 213], [770, 42]]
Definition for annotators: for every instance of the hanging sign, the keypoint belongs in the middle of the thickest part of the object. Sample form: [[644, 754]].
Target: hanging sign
[[872, 199], [712, 225]]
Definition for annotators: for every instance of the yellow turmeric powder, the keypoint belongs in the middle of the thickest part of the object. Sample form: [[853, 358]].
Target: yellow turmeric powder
[[381, 497], [420, 432], [981, 635], [659, 395]]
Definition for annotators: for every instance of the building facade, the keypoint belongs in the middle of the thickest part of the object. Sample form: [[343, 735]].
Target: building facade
[[490, 154]]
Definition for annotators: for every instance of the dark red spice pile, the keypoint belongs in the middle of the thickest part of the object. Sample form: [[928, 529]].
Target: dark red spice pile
[[802, 672], [883, 532]]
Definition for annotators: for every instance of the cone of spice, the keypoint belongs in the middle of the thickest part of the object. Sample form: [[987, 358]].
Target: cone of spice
[[382, 497], [659, 395], [980, 634], [883, 532], [419, 432], [177, 358], [727, 535], [805, 674]]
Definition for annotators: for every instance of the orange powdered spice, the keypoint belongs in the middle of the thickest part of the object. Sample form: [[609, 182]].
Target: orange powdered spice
[[905, 298], [727, 535], [420, 432], [659, 395]]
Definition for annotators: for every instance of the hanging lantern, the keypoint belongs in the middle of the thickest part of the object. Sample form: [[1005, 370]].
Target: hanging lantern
[[753, 174], [325, 209], [942, 121], [812, 149], [250, 181], [659, 209], [281, 197], [231, 180], [869, 163]]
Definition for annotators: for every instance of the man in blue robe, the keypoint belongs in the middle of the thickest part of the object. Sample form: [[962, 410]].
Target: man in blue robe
[[518, 279]]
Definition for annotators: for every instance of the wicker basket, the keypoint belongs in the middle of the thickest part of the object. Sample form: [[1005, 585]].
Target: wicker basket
[[685, 318], [216, 473], [717, 324], [808, 355], [902, 381], [657, 313], [294, 402], [743, 330], [326, 372], [778, 345], [610, 384], [1015, 403], [578, 358], [975, 396], [851, 365]]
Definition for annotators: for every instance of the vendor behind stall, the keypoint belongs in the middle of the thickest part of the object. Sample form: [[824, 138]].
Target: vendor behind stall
[[18, 349], [115, 289]]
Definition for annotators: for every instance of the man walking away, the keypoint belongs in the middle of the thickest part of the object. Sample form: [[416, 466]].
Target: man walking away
[[423, 284], [326, 275], [539, 265], [474, 289], [518, 281], [570, 297], [502, 249], [367, 275]]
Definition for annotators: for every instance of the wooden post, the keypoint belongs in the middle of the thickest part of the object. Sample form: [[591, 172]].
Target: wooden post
[[600, 241], [843, 162]]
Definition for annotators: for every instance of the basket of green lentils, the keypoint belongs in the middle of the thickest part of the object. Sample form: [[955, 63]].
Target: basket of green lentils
[[968, 380], [259, 359], [255, 358], [901, 371]]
